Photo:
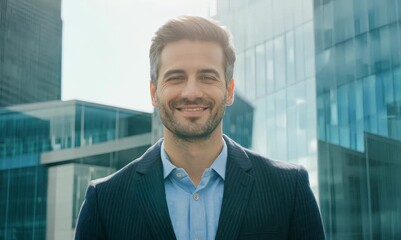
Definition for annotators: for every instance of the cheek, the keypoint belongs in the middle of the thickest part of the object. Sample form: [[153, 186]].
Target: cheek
[[163, 96], [170, 92]]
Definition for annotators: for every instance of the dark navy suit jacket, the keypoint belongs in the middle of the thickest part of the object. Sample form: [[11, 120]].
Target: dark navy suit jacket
[[263, 199]]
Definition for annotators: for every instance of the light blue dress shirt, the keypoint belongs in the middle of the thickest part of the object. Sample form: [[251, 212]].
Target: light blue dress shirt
[[195, 210]]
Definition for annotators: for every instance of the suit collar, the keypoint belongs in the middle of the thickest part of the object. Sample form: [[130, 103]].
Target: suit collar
[[237, 154], [149, 159], [151, 194], [237, 190]]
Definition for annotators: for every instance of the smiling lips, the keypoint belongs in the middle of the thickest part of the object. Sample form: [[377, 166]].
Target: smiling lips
[[192, 111]]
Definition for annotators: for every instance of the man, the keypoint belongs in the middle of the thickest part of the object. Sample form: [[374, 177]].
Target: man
[[196, 183]]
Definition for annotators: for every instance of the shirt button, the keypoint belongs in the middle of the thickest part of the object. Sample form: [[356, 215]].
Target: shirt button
[[196, 196], [198, 238], [179, 175]]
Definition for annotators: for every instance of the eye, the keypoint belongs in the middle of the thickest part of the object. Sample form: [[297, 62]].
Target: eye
[[208, 78], [176, 78]]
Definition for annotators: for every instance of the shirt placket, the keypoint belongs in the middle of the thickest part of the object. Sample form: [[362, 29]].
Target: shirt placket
[[197, 216]]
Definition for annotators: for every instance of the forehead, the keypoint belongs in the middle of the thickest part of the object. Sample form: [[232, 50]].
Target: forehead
[[185, 53]]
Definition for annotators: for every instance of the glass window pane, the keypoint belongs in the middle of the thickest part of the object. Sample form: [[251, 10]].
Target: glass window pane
[[279, 62], [250, 78], [299, 54], [290, 56], [271, 129], [260, 71], [270, 66], [239, 74], [309, 50], [281, 123], [259, 142]]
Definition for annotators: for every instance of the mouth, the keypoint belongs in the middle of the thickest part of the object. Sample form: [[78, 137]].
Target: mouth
[[192, 111]]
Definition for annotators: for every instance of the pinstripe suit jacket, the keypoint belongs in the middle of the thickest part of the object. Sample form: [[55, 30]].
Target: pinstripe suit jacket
[[263, 199]]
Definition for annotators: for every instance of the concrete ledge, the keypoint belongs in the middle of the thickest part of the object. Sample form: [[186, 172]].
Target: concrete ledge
[[96, 149]]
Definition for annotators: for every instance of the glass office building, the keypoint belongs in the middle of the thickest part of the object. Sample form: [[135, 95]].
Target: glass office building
[[48, 153], [358, 82], [30, 51], [324, 78], [275, 72]]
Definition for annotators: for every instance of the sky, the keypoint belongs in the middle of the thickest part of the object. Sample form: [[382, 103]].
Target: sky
[[106, 45]]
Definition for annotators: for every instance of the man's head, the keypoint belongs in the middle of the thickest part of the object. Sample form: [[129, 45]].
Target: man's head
[[191, 28], [191, 66]]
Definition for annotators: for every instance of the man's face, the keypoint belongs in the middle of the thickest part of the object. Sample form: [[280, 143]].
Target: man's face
[[191, 91]]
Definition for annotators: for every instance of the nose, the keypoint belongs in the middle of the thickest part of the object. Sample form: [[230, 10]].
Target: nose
[[192, 89]]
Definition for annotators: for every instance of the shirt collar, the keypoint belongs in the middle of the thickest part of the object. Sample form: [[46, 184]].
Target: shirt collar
[[219, 164]]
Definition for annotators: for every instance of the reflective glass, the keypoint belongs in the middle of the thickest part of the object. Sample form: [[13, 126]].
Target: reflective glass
[[290, 57], [299, 54], [279, 60], [271, 129], [239, 74], [281, 123], [250, 75], [309, 58], [357, 170], [270, 66], [260, 139], [260, 71]]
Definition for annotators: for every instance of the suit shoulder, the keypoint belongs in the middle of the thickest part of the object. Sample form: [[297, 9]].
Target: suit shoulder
[[259, 160], [276, 170], [249, 159], [118, 176]]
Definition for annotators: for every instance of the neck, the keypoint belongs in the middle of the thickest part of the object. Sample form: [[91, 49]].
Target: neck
[[193, 155]]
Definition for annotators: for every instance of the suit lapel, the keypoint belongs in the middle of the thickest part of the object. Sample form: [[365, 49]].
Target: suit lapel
[[237, 189], [152, 197]]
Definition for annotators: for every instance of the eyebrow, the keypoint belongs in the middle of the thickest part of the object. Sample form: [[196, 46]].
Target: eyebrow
[[201, 71], [209, 70], [173, 71]]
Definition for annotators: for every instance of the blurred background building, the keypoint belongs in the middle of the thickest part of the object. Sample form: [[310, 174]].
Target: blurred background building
[[51, 149], [358, 84], [324, 79], [48, 153], [30, 51], [275, 72]]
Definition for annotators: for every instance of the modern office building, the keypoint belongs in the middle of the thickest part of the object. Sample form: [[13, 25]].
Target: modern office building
[[358, 82], [275, 72], [30, 51], [324, 78], [48, 153]]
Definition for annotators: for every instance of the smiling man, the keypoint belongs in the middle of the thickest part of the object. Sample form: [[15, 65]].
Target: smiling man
[[196, 183]]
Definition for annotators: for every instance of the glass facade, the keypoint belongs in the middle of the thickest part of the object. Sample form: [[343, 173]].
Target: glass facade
[[275, 73], [30, 51], [23, 203], [324, 78], [358, 82], [49, 152]]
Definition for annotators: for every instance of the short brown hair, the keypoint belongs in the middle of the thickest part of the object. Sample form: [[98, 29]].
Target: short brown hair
[[193, 28]]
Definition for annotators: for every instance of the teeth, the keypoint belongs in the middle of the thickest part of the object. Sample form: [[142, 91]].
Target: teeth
[[192, 109]]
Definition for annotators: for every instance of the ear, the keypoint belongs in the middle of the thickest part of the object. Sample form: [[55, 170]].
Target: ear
[[230, 92], [153, 94]]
